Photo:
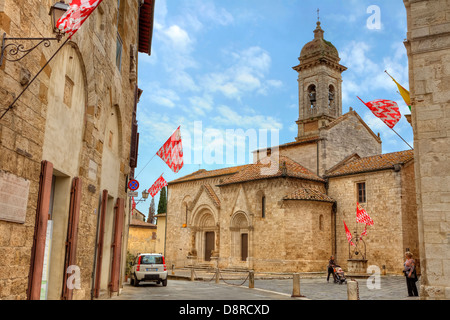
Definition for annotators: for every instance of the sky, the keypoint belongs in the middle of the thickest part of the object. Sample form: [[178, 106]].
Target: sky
[[224, 68]]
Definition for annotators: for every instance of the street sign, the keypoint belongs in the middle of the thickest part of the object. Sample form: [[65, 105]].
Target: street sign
[[133, 194], [133, 185]]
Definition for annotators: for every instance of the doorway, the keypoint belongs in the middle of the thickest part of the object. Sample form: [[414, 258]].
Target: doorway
[[209, 245], [244, 246]]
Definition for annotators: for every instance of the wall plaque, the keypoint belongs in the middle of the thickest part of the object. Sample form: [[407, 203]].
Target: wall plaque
[[13, 197]]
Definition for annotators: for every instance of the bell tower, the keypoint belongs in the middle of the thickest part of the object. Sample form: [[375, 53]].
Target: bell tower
[[319, 85]]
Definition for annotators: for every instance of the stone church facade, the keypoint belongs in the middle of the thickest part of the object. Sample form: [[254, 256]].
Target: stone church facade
[[285, 211]]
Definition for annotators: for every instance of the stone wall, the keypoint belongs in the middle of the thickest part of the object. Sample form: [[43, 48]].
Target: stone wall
[[344, 137], [428, 48], [107, 89], [393, 229], [142, 240]]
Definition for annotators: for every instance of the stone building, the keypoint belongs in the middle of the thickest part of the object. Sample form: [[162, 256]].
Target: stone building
[[67, 150], [428, 48], [142, 235], [285, 211]]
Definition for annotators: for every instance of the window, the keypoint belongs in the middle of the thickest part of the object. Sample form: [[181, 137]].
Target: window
[[361, 186], [152, 260], [263, 206], [119, 51]]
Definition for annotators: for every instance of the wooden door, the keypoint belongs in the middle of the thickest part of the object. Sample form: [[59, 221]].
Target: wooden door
[[209, 245], [244, 246]]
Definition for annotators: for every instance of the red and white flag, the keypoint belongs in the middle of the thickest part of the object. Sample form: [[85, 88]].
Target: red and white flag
[[386, 110], [348, 234], [133, 206], [362, 216], [158, 185], [78, 12], [364, 233], [172, 152]]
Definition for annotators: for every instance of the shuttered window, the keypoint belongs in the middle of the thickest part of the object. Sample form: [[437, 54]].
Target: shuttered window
[[40, 231], [72, 235], [117, 245]]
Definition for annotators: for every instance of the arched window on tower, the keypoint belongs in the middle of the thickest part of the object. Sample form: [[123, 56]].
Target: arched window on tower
[[331, 100], [312, 99]]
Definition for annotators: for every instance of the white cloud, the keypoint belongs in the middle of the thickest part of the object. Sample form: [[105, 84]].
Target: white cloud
[[230, 118], [246, 74]]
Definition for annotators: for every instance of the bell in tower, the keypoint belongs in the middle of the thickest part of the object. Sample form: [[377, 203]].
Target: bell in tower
[[319, 85]]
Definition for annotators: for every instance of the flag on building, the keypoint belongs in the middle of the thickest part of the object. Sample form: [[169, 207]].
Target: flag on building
[[172, 152], [364, 233], [77, 14], [157, 186], [348, 234], [403, 92], [386, 110], [362, 216]]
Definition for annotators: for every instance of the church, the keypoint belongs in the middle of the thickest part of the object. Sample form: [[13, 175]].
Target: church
[[293, 218]]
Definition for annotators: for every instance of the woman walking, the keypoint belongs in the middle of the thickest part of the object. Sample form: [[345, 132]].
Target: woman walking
[[410, 274]]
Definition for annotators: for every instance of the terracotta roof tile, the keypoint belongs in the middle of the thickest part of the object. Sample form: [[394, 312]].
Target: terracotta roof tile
[[293, 143], [140, 223], [373, 163], [204, 174], [284, 167], [309, 194]]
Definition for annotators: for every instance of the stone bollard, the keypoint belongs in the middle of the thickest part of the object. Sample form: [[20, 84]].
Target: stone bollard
[[296, 286], [192, 274], [352, 290], [251, 279], [217, 275]]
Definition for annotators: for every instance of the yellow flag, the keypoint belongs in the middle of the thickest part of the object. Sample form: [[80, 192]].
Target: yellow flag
[[403, 92]]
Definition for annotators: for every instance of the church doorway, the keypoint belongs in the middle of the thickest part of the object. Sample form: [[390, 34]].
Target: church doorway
[[209, 245], [244, 246]]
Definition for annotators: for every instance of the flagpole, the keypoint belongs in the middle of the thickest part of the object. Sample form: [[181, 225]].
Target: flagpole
[[389, 127], [145, 166], [402, 138]]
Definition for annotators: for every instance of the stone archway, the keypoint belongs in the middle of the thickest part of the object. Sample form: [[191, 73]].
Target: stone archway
[[205, 235], [241, 235]]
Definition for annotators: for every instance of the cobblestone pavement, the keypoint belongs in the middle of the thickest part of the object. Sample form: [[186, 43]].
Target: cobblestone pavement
[[234, 286]]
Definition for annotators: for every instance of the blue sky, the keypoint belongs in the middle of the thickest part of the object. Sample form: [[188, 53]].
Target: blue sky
[[227, 65]]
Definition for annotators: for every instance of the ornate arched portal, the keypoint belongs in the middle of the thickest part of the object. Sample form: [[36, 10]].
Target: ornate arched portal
[[205, 234]]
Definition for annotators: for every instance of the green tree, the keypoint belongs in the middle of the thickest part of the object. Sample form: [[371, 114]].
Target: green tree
[[162, 205], [151, 212]]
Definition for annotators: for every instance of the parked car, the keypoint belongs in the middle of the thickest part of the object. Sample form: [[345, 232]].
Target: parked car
[[149, 267]]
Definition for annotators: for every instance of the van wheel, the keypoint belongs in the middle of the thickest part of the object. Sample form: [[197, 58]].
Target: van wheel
[[164, 283]]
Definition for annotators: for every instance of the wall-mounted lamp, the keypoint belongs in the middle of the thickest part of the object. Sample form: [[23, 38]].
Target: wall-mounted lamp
[[17, 51], [144, 196]]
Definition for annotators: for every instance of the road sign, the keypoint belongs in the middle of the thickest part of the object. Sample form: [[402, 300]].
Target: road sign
[[133, 185], [133, 194]]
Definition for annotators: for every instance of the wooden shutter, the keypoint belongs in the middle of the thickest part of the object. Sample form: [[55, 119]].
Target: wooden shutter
[[101, 232], [117, 245], [40, 232], [134, 133], [72, 235]]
